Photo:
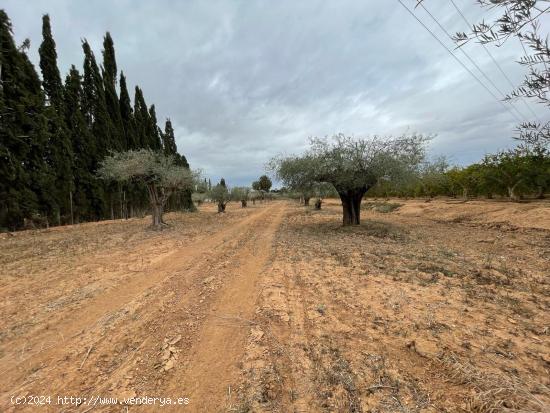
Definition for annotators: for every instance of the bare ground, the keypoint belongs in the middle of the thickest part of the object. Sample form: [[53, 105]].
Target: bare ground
[[438, 306]]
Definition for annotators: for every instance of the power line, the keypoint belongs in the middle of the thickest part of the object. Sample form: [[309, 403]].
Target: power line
[[495, 61], [459, 61], [471, 60]]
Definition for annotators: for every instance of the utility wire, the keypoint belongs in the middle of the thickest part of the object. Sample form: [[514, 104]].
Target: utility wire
[[471, 60], [459, 61], [495, 61]]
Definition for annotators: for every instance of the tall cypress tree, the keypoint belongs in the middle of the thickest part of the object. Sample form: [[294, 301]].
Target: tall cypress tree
[[88, 191], [127, 116], [168, 139], [182, 199], [109, 59], [111, 98], [141, 116], [53, 135], [153, 132], [16, 200], [58, 150], [169, 144], [26, 180], [51, 79], [95, 111], [95, 105]]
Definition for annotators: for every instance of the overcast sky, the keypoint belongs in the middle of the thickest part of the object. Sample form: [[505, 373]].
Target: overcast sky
[[245, 80]]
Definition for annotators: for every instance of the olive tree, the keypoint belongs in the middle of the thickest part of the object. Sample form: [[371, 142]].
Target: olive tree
[[240, 194], [254, 195], [321, 190], [220, 194], [511, 169], [159, 172], [352, 166]]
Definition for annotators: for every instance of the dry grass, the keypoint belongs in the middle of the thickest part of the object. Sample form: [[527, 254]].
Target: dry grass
[[430, 307], [408, 313]]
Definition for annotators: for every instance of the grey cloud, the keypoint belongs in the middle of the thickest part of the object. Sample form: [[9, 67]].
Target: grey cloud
[[245, 80]]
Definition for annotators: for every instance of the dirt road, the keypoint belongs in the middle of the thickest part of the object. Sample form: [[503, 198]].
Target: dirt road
[[277, 308]]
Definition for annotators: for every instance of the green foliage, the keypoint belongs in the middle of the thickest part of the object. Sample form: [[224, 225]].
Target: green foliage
[[183, 200], [58, 151], [264, 183], [240, 193], [26, 178], [127, 116], [347, 162], [516, 173], [147, 166], [156, 170], [219, 193], [53, 136], [48, 65], [111, 99], [352, 166]]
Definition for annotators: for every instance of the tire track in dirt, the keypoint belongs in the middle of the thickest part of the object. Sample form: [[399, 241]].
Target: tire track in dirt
[[297, 337], [211, 366], [44, 347]]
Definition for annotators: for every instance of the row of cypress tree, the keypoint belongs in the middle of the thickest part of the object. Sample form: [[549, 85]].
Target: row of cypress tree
[[54, 133]]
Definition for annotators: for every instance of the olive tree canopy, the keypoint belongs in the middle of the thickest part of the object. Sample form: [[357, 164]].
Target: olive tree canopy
[[240, 194], [158, 171], [220, 194], [351, 165]]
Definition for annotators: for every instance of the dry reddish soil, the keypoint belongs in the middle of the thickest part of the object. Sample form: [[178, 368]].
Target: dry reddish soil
[[438, 306]]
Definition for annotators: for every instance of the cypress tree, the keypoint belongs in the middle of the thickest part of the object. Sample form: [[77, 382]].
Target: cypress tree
[[51, 79], [142, 120], [53, 136], [127, 116], [109, 59], [169, 144], [94, 108], [111, 98], [153, 132], [182, 199], [168, 139], [26, 180], [95, 105], [58, 150], [88, 192], [16, 200]]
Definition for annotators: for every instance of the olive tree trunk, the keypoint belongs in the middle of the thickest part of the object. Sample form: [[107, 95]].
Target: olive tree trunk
[[156, 216], [351, 205], [157, 200], [512, 193]]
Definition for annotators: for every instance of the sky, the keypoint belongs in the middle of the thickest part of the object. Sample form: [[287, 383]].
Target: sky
[[243, 81]]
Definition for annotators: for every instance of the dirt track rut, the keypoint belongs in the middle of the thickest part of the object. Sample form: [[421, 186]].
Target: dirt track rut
[[115, 341]]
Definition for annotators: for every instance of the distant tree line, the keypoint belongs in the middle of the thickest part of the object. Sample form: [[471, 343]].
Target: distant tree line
[[522, 172], [54, 135]]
